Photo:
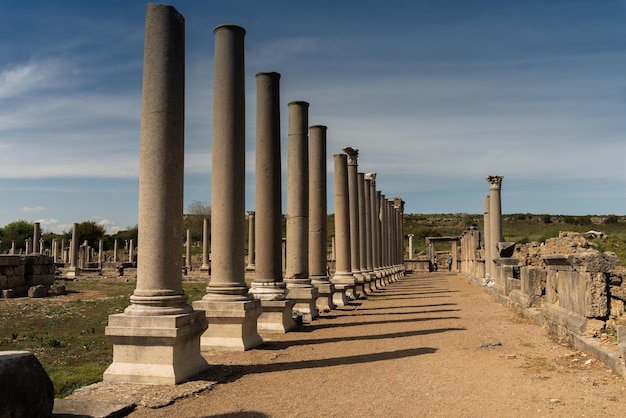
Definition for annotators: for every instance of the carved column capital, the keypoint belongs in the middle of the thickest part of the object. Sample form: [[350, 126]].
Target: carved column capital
[[495, 182], [353, 155]]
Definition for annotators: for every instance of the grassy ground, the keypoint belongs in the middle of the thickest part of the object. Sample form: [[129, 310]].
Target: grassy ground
[[66, 333]]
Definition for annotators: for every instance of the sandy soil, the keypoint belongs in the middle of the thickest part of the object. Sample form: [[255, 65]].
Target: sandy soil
[[429, 345]]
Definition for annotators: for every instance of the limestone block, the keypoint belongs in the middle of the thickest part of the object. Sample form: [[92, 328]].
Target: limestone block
[[596, 296], [27, 391], [39, 291], [618, 292], [9, 260], [533, 284], [594, 261], [616, 307]]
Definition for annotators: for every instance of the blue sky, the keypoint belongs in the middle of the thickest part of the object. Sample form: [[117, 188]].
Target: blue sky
[[436, 95]]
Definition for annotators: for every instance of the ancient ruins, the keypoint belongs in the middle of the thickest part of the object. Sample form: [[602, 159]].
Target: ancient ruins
[[577, 292]]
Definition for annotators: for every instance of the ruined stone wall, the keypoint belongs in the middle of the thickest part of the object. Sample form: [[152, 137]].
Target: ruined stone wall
[[577, 292], [30, 275]]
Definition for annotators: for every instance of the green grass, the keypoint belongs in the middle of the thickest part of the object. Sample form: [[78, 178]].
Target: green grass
[[67, 336]]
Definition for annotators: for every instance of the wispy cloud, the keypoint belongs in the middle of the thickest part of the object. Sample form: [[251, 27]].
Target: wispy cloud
[[36, 209]]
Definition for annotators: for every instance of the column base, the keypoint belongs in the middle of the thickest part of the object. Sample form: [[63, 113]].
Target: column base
[[158, 350], [304, 296], [72, 272], [277, 317], [340, 298], [325, 290], [205, 267], [232, 325]]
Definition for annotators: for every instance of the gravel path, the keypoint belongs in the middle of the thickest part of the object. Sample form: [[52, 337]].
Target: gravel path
[[429, 345]]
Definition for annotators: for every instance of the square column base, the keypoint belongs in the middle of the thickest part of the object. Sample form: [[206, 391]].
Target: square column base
[[158, 350], [340, 298], [72, 272], [324, 301], [304, 298], [277, 316], [232, 325]]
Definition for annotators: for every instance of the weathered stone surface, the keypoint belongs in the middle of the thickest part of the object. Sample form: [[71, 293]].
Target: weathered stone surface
[[596, 296], [57, 290], [618, 292], [594, 261], [533, 284], [39, 291], [27, 391]]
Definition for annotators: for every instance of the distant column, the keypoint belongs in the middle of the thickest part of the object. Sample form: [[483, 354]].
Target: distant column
[[156, 339], [355, 249], [343, 279], [100, 253], [12, 250], [363, 234], [36, 237], [231, 312], [297, 277], [495, 214], [411, 246], [131, 250], [74, 271], [318, 219], [251, 241], [267, 285], [205, 245], [487, 236], [188, 266], [115, 251]]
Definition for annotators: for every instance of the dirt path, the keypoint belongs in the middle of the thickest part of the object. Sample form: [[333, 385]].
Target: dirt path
[[428, 345]]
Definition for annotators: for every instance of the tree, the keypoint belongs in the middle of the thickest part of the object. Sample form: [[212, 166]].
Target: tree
[[194, 219], [19, 231], [88, 231]]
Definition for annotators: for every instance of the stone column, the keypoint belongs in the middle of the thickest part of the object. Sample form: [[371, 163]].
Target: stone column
[[205, 246], [156, 339], [495, 213], [367, 222], [267, 285], [12, 250], [318, 219], [487, 237], [74, 271], [375, 226], [343, 279], [297, 277], [411, 246], [231, 312], [355, 249], [188, 266], [333, 249], [36, 237], [100, 253], [367, 279], [384, 238], [115, 251], [251, 241], [455, 257], [55, 250], [131, 250], [398, 204]]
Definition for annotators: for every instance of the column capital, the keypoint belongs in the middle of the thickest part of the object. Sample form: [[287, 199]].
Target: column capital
[[353, 155], [251, 213], [495, 182]]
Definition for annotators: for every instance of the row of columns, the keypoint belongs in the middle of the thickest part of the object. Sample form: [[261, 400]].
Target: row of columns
[[159, 337]]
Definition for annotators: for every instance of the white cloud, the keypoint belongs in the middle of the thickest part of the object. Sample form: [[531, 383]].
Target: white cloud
[[35, 209]]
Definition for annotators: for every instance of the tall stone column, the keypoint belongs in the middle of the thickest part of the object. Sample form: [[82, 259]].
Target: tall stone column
[[495, 213], [487, 236], [268, 285], [367, 279], [251, 241], [36, 237], [384, 238], [205, 246], [156, 339], [74, 271], [188, 266], [100, 253], [375, 225], [355, 248], [114, 251], [398, 205], [343, 279], [455, 256], [297, 277], [411, 246], [231, 312], [367, 221], [318, 219]]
